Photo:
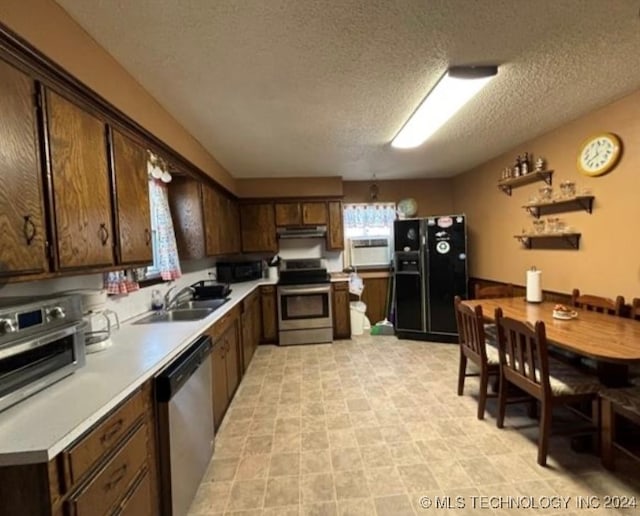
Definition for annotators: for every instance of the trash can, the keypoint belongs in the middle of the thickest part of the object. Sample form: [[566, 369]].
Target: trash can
[[357, 310]]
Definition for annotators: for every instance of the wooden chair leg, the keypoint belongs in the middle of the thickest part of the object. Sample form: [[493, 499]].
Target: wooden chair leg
[[502, 401], [532, 409], [545, 430], [597, 423], [484, 385], [462, 371], [608, 432]]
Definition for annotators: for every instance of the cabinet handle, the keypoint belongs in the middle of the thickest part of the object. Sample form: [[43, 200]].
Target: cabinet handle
[[112, 431], [116, 477], [104, 234], [147, 235], [29, 229]]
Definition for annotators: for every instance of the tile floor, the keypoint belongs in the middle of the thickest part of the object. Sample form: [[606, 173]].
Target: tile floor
[[370, 425]]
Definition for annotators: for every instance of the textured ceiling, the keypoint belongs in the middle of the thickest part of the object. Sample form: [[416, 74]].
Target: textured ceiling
[[320, 87]]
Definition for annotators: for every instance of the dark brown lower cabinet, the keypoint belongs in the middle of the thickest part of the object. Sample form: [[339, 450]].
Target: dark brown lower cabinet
[[110, 469], [341, 313], [226, 364], [269, 314], [219, 383], [251, 327]]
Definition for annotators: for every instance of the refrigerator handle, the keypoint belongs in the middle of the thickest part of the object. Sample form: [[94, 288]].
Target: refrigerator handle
[[424, 240]]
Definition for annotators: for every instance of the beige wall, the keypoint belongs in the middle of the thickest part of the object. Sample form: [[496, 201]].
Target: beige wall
[[290, 187], [45, 25], [434, 196], [608, 262]]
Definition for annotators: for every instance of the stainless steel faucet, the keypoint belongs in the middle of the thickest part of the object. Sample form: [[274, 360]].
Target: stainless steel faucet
[[170, 301]]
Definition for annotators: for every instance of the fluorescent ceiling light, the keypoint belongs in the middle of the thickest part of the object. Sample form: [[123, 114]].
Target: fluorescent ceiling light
[[454, 89]]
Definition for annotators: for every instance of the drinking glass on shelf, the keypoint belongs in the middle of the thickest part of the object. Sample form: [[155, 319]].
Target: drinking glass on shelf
[[568, 189], [552, 223], [539, 225], [546, 193]]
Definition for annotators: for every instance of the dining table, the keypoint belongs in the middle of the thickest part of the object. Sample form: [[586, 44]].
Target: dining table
[[612, 342]]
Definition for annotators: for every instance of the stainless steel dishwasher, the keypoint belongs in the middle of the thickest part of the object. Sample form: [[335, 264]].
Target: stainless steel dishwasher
[[185, 425]]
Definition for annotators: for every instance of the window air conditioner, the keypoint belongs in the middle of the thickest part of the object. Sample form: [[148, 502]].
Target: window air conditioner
[[370, 252]]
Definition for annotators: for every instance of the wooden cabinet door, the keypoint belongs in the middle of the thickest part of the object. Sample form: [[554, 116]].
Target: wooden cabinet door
[[233, 356], [185, 201], [132, 194], [335, 231], [81, 188], [219, 382], [139, 501], [236, 243], [269, 314], [258, 227], [247, 336], [288, 214], [212, 223], [257, 322], [22, 223], [314, 213], [341, 311]]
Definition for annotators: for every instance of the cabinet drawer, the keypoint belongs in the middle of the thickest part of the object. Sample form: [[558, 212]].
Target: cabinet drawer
[[79, 459], [340, 285], [109, 485], [138, 501], [223, 323]]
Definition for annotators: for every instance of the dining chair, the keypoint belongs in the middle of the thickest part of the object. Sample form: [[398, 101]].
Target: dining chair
[[525, 363], [615, 404], [473, 347], [597, 304], [492, 292]]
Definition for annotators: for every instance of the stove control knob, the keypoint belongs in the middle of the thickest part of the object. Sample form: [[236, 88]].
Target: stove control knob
[[56, 312], [7, 326]]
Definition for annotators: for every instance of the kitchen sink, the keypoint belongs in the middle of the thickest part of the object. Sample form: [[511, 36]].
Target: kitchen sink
[[201, 303], [177, 315]]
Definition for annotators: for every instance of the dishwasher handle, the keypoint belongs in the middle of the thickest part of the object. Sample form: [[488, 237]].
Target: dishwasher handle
[[175, 375]]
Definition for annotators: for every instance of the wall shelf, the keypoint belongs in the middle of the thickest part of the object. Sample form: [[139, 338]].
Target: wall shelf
[[580, 202], [506, 185], [549, 240]]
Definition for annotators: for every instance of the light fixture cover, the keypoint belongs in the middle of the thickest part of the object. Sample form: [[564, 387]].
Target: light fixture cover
[[454, 89]]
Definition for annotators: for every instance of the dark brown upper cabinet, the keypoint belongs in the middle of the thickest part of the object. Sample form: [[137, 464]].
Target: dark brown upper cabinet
[[335, 231], [22, 222], [206, 221], [80, 185], [314, 213], [133, 212], [308, 213], [258, 227]]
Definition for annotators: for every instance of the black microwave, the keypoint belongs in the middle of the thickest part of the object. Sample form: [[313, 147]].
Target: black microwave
[[235, 272]]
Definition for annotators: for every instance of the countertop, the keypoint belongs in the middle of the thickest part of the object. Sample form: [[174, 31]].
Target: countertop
[[40, 427]]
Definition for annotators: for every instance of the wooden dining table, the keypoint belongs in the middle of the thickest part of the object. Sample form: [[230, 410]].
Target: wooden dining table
[[613, 342]]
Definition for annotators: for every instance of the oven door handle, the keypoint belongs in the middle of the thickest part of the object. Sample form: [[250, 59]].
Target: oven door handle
[[37, 342], [304, 290]]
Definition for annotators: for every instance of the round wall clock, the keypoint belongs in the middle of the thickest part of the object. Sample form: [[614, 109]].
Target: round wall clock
[[599, 154]]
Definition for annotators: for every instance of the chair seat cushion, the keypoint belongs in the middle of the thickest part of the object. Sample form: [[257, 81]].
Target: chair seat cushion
[[493, 357], [628, 398], [566, 380]]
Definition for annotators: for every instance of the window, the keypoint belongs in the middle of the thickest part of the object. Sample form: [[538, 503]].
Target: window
[[369, 220]]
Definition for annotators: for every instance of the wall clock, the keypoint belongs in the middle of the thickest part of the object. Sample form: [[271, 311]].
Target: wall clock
[[599, 154]]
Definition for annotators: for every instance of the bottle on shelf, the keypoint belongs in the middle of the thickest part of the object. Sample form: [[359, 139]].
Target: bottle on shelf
[[524, 165], [516, 169]]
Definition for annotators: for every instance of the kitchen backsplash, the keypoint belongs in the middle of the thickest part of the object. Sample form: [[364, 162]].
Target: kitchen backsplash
[[126, 306], [310, 248]]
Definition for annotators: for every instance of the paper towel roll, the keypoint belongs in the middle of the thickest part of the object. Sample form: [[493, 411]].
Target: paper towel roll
[[534, 286]]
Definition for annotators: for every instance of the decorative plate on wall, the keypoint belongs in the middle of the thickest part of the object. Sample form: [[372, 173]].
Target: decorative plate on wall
[[408, 207]]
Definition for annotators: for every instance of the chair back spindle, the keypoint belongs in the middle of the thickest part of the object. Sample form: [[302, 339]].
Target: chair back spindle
[[598, 304]]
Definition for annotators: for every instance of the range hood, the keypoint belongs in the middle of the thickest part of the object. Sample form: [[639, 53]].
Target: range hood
[[302, 232]]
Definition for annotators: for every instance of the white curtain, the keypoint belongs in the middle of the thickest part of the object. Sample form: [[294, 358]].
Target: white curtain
[[165, 249]]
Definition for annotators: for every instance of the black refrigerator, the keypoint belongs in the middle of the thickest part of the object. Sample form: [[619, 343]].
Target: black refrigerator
[[430, 262]]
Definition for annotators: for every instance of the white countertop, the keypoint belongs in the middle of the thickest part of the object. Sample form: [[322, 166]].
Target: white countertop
[[40, 427]]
